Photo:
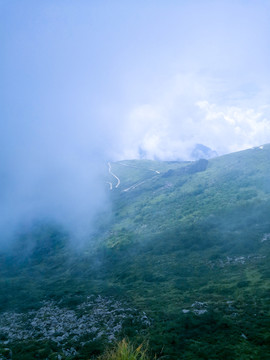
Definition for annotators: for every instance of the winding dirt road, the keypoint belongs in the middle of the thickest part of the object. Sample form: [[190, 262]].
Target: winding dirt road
[[110, 184], [133, 186], [117, 178], [137, 167]]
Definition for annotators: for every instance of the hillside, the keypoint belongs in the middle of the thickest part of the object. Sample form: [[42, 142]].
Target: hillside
[[180, 259]]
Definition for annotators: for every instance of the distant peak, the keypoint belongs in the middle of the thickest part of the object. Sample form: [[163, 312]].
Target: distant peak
[[201, 151]]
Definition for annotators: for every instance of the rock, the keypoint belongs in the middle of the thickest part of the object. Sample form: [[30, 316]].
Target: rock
[[265, 237], [199, 304], [199, 312], [97, 318]]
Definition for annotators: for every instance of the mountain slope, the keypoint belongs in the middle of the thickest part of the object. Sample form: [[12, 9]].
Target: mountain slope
[[188, 243]]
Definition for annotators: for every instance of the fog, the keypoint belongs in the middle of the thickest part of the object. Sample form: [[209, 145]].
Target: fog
[[54, 170], [86, 82]]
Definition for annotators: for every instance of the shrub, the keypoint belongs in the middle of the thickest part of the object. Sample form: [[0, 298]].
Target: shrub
[[124, 350]]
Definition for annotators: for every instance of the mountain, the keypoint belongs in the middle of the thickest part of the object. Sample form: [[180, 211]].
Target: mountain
[[180, 259], [201, 151]]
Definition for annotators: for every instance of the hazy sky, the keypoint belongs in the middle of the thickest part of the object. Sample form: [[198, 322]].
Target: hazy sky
[[86, 81]]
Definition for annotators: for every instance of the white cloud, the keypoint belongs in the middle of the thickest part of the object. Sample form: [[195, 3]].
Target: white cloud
[[235, 128], [169, 126]]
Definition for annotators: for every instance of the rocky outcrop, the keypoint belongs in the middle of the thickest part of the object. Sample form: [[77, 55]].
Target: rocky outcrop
[[96, 318]]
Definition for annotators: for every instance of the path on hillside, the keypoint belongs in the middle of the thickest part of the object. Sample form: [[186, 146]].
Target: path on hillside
[[110, 184], [138, 167], [132, 187], [117, 178]]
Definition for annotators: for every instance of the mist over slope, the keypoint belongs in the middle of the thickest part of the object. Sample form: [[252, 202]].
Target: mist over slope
[[86, 82], [186, 243], [51, 170]]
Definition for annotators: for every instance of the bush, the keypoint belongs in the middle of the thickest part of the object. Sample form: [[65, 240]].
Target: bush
[[124, 350]]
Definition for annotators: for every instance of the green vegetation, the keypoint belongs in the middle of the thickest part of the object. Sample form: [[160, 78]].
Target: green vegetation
[[124, 350], [188, 244]]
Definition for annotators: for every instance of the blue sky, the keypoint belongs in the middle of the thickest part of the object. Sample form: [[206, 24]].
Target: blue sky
[[83, 82], [96, 64]]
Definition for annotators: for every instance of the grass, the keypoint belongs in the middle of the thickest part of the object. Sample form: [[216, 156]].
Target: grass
[[125, 350]]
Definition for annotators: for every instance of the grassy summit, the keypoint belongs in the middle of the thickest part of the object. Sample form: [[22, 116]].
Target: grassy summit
[[185, 244]]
